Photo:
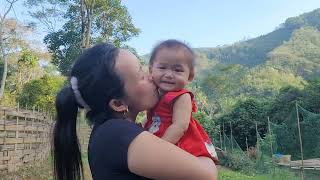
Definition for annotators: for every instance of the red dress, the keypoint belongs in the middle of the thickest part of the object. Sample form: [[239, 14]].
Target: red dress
[[195, 140]]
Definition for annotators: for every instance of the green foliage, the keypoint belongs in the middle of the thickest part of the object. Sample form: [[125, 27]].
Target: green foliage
[[41, 92], [312, 18], [111, 22], [238, 162], [282, 105], [223, 85], [282, 112], [209, 124], [243, 118], [267, 80], [27, 59], [65, 45], [300, 55]]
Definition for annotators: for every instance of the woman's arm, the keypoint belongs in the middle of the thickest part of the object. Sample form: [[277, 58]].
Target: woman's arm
[[182, 108], [154, 158]]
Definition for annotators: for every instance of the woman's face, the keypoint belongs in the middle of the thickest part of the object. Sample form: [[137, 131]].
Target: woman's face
[[141, 93]]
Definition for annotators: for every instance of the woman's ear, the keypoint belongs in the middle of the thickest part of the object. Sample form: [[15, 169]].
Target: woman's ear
[[118, 105]]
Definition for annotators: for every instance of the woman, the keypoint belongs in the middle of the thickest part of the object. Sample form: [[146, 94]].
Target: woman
[[110, 84]]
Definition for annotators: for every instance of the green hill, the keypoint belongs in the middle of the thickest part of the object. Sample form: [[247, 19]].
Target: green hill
[[255, 51], [260, 67]]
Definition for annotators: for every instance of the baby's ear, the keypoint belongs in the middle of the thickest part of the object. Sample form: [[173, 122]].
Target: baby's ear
[[191, 75]]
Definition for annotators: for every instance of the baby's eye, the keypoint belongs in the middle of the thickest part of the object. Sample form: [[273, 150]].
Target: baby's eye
[[179, 70]]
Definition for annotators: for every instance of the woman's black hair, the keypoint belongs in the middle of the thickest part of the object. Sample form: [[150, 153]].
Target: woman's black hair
[[172, 43], [98, 83]]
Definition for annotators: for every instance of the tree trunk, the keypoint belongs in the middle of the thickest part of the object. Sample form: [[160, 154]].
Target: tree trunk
[[89, 23], [83, 24], [88, 31], [4, 73]]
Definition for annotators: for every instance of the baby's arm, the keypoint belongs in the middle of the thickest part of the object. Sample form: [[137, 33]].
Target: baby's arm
[[180, 119]]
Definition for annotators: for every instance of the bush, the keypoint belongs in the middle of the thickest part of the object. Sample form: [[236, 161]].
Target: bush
[[238, 162]]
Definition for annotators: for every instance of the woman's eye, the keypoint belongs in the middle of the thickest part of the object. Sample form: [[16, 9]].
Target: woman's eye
[[178, 70], [161, 67]]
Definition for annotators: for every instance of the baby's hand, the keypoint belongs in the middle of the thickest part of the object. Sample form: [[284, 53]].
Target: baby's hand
[[143, 122]]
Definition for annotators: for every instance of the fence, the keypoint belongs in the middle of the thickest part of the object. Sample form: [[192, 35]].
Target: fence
[[24, 137], [296, 137]]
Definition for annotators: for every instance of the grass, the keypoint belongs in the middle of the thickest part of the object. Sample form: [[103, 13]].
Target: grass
[[43, 171], [226, 174]]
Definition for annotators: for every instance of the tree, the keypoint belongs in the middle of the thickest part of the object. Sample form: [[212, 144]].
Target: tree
[[27, 65], [16, 39], [88, 22], [243, 118], [46, 87], [3, 20]]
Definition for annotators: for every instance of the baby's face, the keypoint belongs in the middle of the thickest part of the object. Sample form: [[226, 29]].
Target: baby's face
[[170, 70]]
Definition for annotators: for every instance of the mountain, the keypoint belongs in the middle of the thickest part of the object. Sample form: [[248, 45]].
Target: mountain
[[255, 51], [260, 67]]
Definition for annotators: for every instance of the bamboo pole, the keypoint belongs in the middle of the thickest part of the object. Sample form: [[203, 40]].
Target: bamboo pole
[[257, 144], [269, 128], [224, 141], [300, 140], [231, 137], [247, 146], [220, 139]]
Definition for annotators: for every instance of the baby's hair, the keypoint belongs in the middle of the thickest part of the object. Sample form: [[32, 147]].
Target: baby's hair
[[172, 43]]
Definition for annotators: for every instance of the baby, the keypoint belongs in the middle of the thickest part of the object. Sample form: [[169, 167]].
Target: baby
[[172, 68]]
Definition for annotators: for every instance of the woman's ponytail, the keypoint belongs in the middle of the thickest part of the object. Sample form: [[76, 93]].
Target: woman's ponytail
[[66, 150]]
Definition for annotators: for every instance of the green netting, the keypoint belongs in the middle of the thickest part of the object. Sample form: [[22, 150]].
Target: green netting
[[287, 134], [230, 145], [265, 149], [310, 132], [281, 138]]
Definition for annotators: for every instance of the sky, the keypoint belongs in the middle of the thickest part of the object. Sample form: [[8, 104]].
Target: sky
[[203, 23], [209, 23]]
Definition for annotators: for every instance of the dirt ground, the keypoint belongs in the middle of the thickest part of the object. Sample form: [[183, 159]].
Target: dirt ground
[[39, 171]]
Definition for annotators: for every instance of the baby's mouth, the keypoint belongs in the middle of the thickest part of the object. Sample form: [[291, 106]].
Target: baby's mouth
[[167, 82]]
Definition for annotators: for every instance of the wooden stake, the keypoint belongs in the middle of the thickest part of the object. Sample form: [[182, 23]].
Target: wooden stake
[[270, 137]]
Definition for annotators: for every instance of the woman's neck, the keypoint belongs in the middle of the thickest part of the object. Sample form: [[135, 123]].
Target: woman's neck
[[132, 116]]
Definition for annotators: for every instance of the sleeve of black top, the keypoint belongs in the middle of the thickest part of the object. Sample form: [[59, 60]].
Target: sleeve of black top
[[115, 137]]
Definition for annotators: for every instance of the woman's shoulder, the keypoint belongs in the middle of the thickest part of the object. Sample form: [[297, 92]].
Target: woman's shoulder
[[113, 136], [117, 128], [108, 148]]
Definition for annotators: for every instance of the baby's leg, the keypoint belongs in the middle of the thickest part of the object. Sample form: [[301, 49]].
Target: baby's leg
[[208, 163]]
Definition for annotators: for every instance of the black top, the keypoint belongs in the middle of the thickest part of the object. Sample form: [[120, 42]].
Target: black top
[[108, 150]]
